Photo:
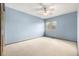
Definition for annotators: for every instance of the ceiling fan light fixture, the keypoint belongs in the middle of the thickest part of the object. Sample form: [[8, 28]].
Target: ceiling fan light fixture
[[44, 13], [45, 10]]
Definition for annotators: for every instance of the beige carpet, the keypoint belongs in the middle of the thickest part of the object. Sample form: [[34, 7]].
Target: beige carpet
[[42, 46]]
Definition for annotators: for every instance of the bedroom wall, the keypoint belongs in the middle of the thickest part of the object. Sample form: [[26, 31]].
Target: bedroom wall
[[66, 27], [78, 30], [20, 26]]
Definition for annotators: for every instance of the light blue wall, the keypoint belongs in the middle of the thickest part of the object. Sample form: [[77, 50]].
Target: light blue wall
[[66, 27], [78, 30], [21, 26]]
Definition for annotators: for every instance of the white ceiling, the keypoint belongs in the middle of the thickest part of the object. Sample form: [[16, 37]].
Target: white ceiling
[[30, 8]]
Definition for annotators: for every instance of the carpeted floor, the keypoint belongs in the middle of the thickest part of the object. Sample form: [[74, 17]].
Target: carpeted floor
[[42, 46]]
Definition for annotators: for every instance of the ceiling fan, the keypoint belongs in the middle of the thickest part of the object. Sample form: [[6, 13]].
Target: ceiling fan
[[46, 9]]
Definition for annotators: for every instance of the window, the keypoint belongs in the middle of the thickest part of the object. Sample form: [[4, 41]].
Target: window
[[51, 25]]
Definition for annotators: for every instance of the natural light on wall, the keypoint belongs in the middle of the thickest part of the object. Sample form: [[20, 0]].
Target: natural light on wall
[[51, 25]]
